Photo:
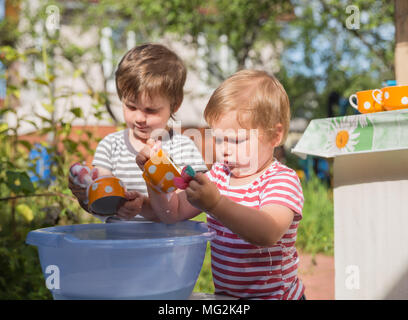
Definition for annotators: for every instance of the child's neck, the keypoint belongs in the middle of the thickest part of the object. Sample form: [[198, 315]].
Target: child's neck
[[138, 144]]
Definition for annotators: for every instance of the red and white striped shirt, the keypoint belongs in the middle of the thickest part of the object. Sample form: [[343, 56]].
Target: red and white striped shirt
[[241, 269]]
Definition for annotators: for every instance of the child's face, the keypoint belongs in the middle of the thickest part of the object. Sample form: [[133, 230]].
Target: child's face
[[146, 114], [244, 151]]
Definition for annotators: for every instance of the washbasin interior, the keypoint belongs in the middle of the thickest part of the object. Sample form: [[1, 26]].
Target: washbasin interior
[[136, 231], [130, 234]]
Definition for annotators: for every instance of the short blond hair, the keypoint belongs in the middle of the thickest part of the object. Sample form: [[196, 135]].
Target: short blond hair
[[259, 97], [152, 69]]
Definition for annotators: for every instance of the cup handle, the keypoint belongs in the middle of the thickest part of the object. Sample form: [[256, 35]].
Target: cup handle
[[351, 101], [375, 98]]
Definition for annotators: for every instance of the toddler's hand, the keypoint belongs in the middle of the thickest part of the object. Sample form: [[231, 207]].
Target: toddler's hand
[[79, 189], [144, 155], [132, 206], [79, 192], [202, 193]]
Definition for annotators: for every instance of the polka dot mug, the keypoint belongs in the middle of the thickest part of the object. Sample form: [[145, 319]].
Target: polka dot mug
[[365, 102], [392, 98], [159, 172], [106, 195]]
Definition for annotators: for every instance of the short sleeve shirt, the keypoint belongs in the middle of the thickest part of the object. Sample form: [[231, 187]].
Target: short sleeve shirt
[[244, 270]]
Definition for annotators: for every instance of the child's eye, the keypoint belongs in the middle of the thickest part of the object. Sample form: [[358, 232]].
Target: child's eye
[[236, 140], [230, 140], [151, 110], [131, 108]]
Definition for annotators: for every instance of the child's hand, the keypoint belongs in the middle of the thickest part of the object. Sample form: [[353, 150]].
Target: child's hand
[[144, 155], [202, 193], [78, 187], [132, 206]]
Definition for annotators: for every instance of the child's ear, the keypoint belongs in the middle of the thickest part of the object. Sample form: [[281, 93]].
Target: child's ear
[[278, 135], [176, 108]]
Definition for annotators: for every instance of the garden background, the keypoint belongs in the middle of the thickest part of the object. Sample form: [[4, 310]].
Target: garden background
[[47, 124]]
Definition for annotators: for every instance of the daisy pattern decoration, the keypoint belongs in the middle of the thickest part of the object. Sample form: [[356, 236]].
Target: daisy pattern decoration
[[361, 119], [362, 133], [342, 137]]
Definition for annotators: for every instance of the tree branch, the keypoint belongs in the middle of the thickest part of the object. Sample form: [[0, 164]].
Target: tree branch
[[58, 194]]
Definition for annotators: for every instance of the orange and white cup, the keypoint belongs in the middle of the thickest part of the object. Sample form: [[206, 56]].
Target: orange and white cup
[[159, 172], [392, 98], [365, 102], [106, 195]]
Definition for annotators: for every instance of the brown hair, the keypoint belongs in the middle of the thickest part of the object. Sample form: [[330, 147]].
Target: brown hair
[[152, 69], [260, 98]]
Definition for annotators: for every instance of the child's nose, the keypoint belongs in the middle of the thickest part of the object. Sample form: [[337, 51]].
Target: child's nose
[[140, 116], [227, 150]]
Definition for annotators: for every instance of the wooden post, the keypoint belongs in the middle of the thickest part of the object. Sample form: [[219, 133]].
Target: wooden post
[[401, 42]]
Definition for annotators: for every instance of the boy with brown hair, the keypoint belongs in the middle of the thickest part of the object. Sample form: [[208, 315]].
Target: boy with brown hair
[[149, 81]]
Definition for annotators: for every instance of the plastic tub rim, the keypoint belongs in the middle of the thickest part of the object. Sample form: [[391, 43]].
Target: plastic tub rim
[[63, 239]]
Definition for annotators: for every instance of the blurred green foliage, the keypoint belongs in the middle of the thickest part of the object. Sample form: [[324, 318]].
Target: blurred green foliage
[[316, 229], [315, 55], [25, 205], [204, 282]]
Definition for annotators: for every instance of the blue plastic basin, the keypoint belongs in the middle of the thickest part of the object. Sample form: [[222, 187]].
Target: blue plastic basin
[[142, 260]]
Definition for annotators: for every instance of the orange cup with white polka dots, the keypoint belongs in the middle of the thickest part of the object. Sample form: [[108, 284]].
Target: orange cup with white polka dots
[[106, 195], [392, 98], [159, 172], [365, 102]]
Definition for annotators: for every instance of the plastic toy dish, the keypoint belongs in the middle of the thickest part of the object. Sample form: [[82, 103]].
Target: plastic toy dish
[[106, 195], [142, 260], [159, 172]]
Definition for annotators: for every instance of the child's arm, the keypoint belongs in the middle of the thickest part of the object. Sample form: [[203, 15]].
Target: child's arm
[[260, 227], [137, 204], [172, 210]]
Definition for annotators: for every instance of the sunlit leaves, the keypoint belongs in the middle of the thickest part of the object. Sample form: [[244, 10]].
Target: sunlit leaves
[[19, 182]]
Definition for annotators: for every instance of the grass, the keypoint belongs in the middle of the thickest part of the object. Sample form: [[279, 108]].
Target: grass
[[316, 229], [205, 282]]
